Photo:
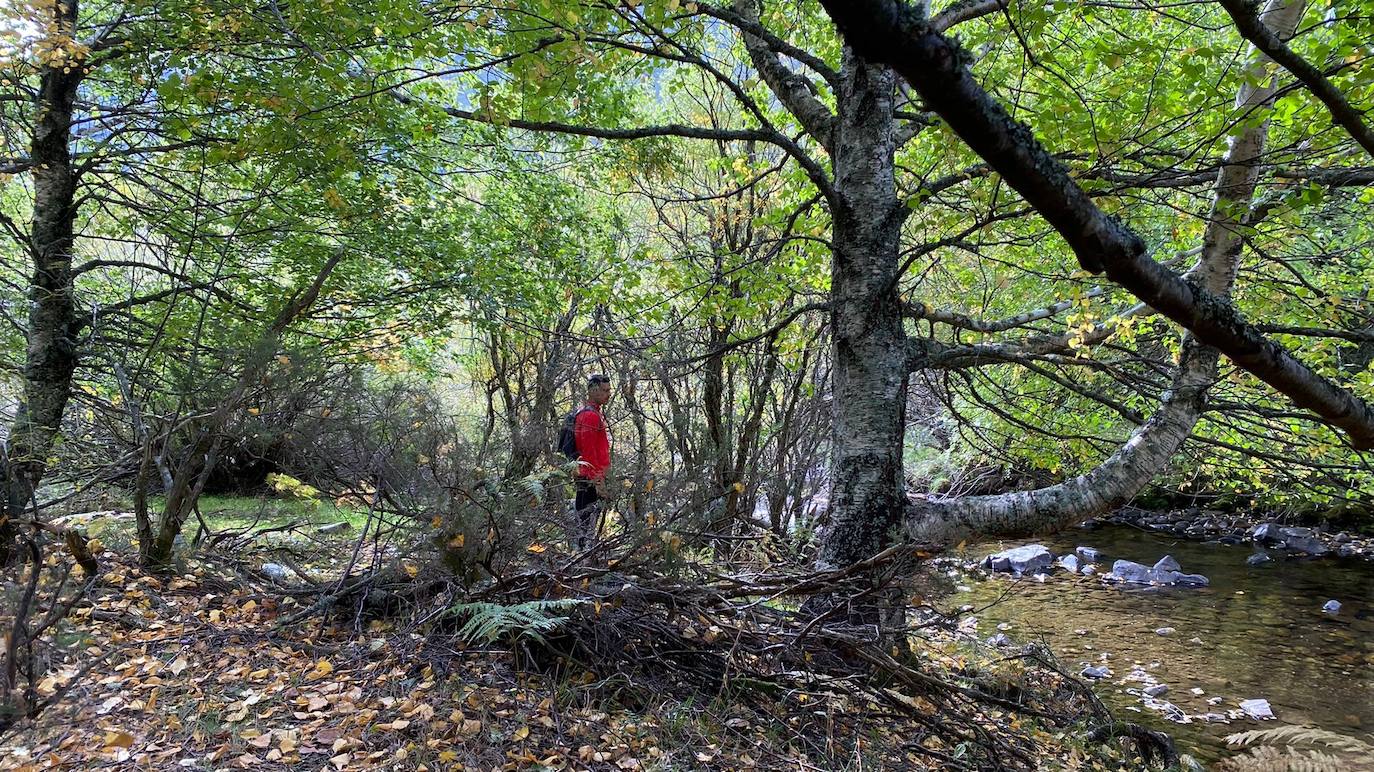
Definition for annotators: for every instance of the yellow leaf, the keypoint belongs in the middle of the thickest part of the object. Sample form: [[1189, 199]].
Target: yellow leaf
[[118, 740], [179, 665], [448, 757], [456, 542], [322, 668], [521, 733], [254, 411], [536, 548]]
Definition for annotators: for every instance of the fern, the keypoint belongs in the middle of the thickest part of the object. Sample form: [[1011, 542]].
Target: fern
[[1277, 751], [1301, 735], [1269, 758], [532, 486], [488, 622]]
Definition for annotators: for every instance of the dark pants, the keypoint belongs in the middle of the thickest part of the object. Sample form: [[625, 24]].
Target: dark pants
[[587, 507]]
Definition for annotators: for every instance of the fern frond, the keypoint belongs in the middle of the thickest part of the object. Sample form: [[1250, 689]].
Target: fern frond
[[1270, 758], [1298, 734], [532, 486], [488, 622]]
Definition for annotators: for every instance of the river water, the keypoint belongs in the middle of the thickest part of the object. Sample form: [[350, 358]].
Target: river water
[[1256, 632]]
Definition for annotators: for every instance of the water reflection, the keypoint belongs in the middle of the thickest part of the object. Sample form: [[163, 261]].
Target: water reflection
[[1257, 632]]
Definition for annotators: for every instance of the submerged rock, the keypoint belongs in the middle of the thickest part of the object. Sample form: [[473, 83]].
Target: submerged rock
[[1332, 607], [1164, 631], [1088, 554], [1029, 559], [1257, 709], [999, 640], [1258, 559]]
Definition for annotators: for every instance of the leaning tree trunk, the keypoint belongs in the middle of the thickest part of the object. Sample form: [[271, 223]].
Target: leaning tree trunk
[[869, 377], [1150, 447], [51, 354]]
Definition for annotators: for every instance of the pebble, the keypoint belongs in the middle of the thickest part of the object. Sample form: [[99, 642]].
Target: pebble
[[1332, 607], [1164, 631]]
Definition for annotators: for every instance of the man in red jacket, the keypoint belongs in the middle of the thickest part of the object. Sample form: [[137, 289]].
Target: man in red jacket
[[593, 454]]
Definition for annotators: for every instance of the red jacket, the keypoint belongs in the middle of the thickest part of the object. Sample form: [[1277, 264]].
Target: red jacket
[[593, 443]]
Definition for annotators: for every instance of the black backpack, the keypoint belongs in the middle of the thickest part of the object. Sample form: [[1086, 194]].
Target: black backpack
[[567, 436]]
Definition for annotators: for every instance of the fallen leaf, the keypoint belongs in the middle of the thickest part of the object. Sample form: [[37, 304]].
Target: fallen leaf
[[118, 740]]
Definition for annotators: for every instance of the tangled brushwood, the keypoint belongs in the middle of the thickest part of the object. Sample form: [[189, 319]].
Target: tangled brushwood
[[836, 693]]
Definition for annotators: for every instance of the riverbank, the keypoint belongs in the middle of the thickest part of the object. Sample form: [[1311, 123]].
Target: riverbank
[[1270, 534]]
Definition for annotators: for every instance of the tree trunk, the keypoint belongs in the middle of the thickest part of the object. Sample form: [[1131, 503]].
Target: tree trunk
[[869, 378], [51, 354]]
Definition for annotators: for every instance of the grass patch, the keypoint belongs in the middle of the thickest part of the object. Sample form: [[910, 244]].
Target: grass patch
[[235, 512]]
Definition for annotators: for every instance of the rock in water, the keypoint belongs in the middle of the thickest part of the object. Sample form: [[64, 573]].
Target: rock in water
[[1095, 672], [999, 640], [1257, 709], [1266, 532], [1156, 690], [1070, 563], [1308, 545], [1088, 554], [1030, 559], [1332, 607], [1129, 571], [1138, 573], [1167, 563], [1258, 559], [1164, 631]]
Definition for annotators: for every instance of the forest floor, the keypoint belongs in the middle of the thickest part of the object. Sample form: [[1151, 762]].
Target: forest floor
[[208, 667]]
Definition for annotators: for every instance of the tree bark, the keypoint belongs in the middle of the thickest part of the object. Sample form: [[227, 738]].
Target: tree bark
[[51, 354], [869, 378]]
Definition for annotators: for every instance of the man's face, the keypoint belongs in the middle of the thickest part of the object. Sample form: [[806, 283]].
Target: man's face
[[600, 393]]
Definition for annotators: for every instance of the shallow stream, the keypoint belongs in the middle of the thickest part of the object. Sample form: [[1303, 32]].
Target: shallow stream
[[1256, 632]]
